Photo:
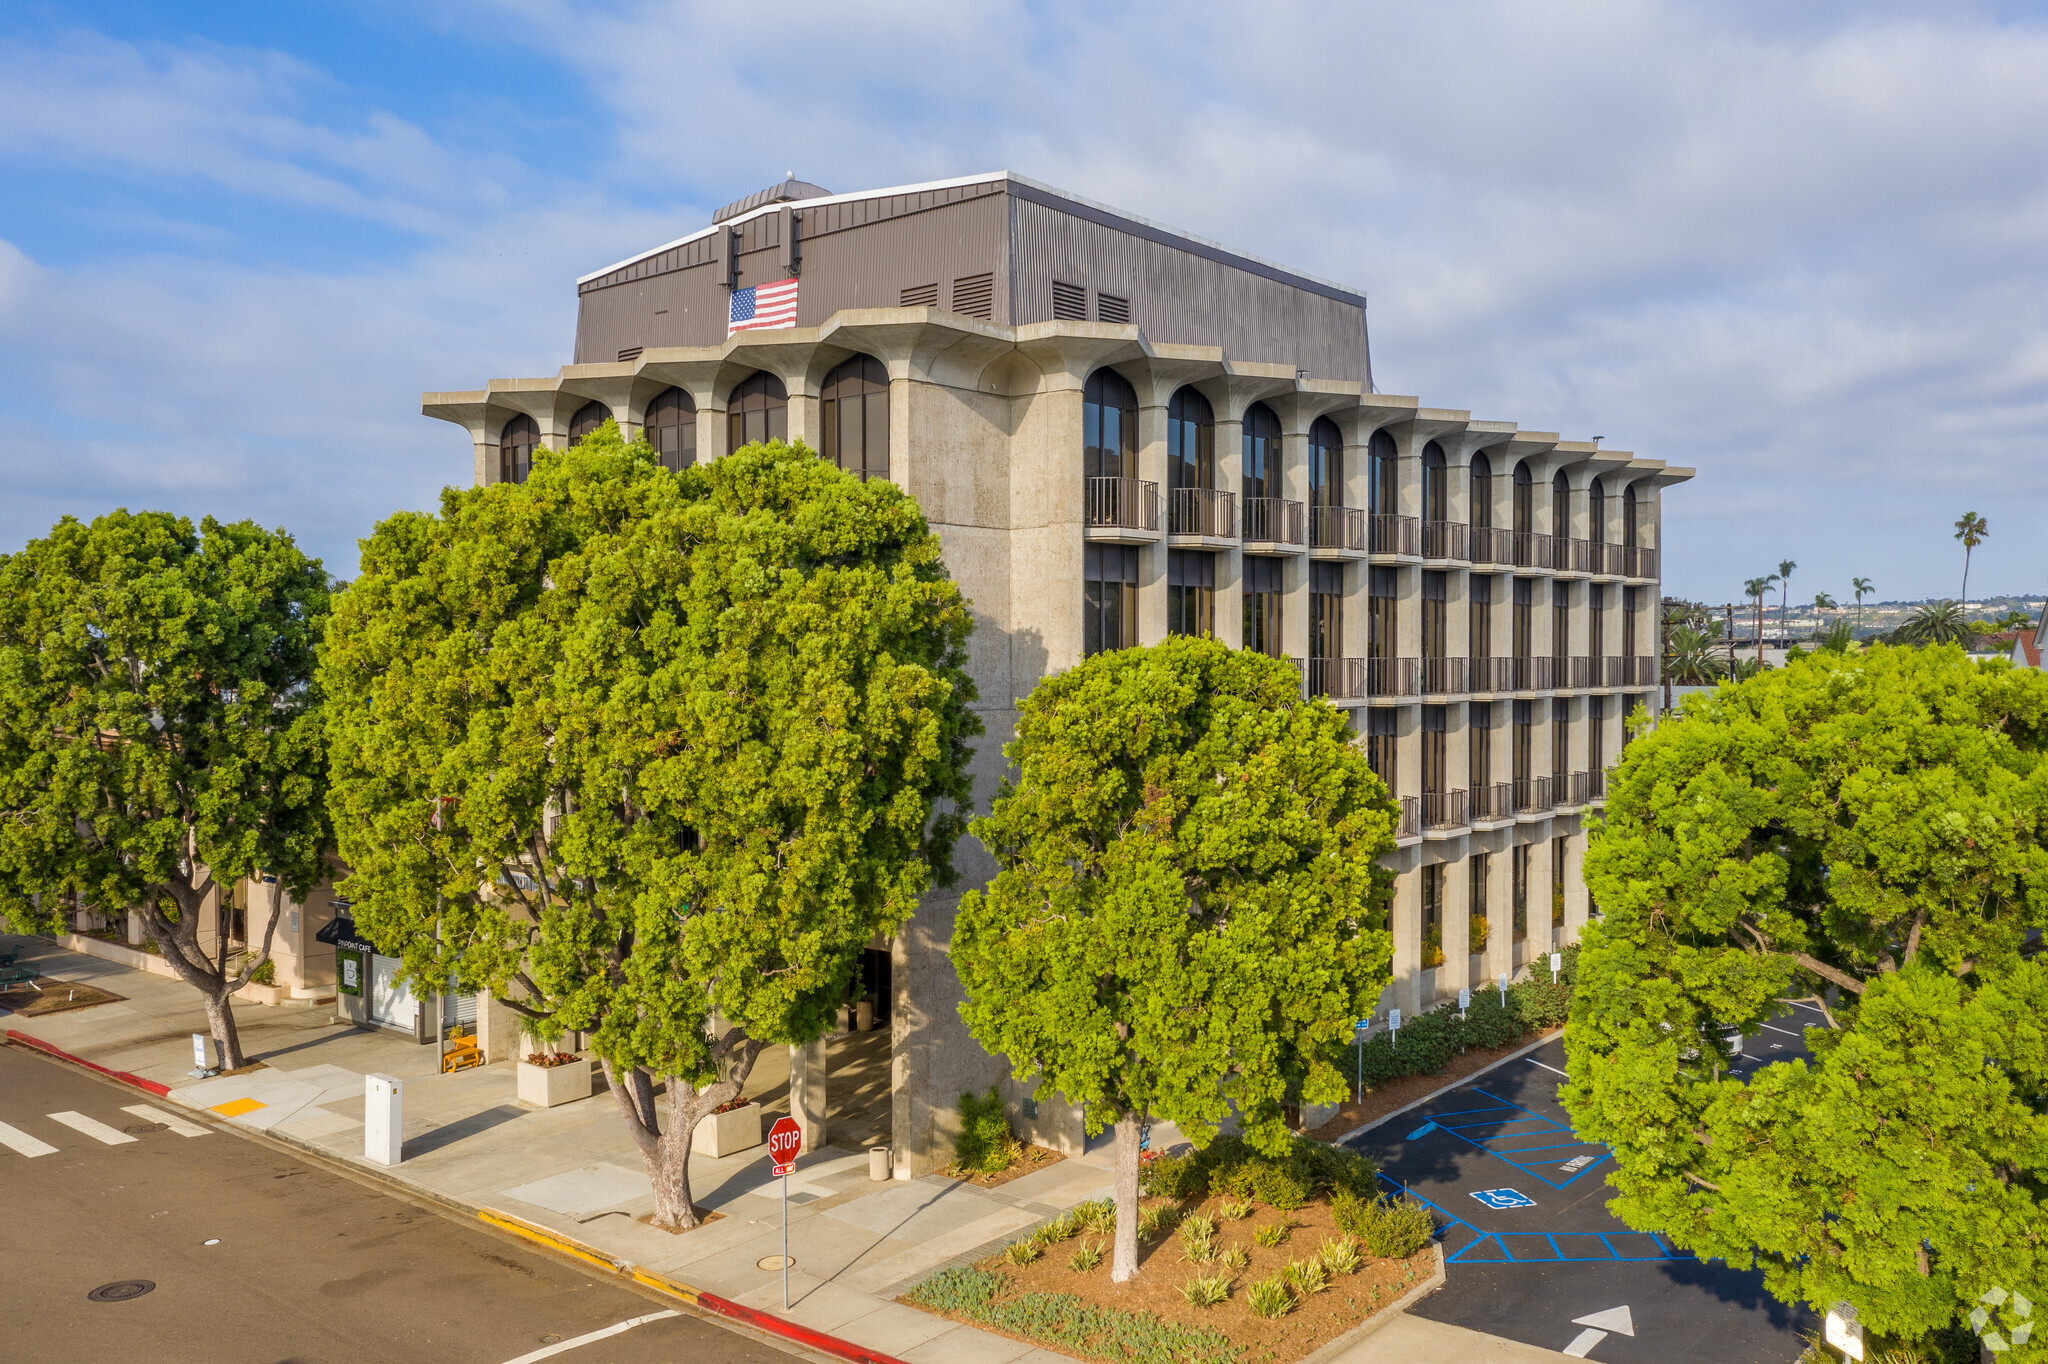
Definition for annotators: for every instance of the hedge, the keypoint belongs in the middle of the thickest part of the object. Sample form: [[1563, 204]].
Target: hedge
[[1287, 1181], [1431, 1041]]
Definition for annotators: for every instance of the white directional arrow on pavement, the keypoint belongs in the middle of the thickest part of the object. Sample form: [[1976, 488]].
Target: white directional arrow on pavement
[[1614, 1319]]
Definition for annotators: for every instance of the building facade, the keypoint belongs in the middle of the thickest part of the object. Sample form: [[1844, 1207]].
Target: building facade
[[1121, 432]]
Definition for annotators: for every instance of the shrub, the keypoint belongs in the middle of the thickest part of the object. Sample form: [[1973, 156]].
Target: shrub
[[1340, 1255], [1197, 1239], [1233, 1257], [1156, 1221], [1066, 1323], [1022, 1252], [1428, 1042], [985, 1144], [1270, 1297], [1234, 1209], [1388, 1228], [1206, 1292], [1061, 1228], [1233, 1168], [1272, 1234], [1086, 1256], [1174, 1177], [1307, 1277], [1098, 1217]]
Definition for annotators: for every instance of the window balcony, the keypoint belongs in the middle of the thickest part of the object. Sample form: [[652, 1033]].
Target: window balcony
[[1492, 674], [1582, 674], [1491, 804], [1645, 672], [1273, 521], [1443, 810], [1608, 561], [1570, 556], [1411, 818], [1490, 546], [1533, 795], [1337, 532], [1206, 513], [1596, 786], [1398, 535], [1391, 676], [1123, 510], [1614, 672], [1534, 551], [1340, 679], [1639, 563], [1446, 540], [1443, 677], [1533, 674]]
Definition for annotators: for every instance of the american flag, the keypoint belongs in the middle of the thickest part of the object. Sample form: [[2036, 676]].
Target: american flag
[[761, 307]]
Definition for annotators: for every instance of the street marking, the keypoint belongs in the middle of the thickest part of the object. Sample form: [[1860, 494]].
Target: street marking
[[176, 1124], [1613, 1319], [618, 1328], [14, 1139], [1802, 1004], [1552, 1069], [98, 1131], [235, 1108], [1422, 1131], [1577, 1163], [1500, 1200], [1787, 1031], [1583, 1343]]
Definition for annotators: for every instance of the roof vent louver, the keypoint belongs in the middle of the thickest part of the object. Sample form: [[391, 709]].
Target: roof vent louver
[[1069, 302], [1110, 308], [974, 296], [921, 296], [629, 354]]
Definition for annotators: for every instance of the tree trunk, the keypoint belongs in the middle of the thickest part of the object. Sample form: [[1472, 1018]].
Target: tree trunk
[[220, 1021], [665, 1145], [1123, 1265]]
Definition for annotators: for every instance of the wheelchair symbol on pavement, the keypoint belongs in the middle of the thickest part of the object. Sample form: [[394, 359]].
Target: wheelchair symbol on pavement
[[1502, 1199]]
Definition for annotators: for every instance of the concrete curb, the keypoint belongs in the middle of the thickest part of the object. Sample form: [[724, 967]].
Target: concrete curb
[[543, 1237], [1442, 1090]]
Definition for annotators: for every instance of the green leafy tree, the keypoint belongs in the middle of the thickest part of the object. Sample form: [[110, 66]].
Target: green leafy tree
[[1864, 833], [652, 756], [159, 734], [1188, 910], [1862, 589], [1971, 529]]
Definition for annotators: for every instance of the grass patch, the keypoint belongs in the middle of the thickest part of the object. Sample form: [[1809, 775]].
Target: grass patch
[[1061, 1319]]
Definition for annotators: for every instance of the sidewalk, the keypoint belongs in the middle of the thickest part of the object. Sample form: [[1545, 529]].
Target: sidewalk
[[857, 1244]]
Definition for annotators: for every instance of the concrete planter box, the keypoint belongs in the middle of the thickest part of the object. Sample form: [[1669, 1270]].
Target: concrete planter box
[[552, 1086], [722, 1134], [263, 994]]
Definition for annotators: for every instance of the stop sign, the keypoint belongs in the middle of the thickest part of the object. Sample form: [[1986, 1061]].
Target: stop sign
[[785, 1139]]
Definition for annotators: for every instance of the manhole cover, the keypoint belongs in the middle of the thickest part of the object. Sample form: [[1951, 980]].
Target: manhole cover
[[120, 1292], [775, 1262]]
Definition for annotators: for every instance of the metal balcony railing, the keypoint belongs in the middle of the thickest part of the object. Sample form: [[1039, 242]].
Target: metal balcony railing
[[1411, 818], [1596, 785], [1582, 673], [1573, 556], [1581, 789], [1608, 560], [1645, 672], [1443, 810], [1123, 503], [1338, 528], [1273, 520], [1340, 679], [1533, 795], [1391, 676], [1446, 540], [1532, 674], [1490, 546], [1493, 802], [1533, 550], [1202, 511], [1613, 672], [1396, 535], [1443, 677], [1492, 674], [1640, 563]]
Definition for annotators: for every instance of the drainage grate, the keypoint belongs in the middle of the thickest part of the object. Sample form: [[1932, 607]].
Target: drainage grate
[[120, 1292]]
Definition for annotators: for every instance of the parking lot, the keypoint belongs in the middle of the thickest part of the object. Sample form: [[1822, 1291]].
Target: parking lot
[[1531, 1251]]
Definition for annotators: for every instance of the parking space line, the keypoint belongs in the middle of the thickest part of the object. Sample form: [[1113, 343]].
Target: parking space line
[[616, 1328], [14, 1139], [92, 1127], [1552, 1069], [1787, 1031]]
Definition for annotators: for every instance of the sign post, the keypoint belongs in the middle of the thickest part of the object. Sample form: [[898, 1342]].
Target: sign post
[[1464, 1001], [1503, 989], [1556, 966], [1394, 1027], [1358, 1034], [785, 1139]]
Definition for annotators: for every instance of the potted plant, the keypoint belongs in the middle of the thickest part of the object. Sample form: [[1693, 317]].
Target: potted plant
[[735, 1126], [549, 1076]]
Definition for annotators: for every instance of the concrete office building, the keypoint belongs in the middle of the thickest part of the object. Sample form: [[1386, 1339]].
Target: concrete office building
[[1122, 431]]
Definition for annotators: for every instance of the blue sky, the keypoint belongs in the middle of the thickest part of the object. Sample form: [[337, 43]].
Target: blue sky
[[1797, 247]]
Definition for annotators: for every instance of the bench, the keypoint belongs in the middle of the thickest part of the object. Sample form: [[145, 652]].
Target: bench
[[11, 976], [462, 1053]]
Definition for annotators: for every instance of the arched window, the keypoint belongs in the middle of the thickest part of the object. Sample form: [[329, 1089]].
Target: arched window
[[1190, 441], [1261, 452], [672, 429], [1482, 490], [1597, 507], [588, 418], [758, 410], [855, 409], [1436, 487], [1109, 426], [1325, 464], [516, 444], [1631, 517], [1525, 499], [1383, 493], [1561, 505]]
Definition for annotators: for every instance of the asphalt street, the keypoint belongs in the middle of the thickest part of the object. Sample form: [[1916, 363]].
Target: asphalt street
[[255, 1257], [1532, 1252]]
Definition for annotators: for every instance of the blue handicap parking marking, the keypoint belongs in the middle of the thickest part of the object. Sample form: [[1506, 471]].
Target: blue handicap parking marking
[[1422, 1131], [1501, 1200]]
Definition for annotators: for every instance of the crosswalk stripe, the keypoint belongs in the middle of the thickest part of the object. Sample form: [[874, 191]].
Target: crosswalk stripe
[[98, 1131], [176, 1124], [14, 1139]]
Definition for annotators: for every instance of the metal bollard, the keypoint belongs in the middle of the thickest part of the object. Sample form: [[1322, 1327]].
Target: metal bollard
[[878, 1163], [383, 1119]]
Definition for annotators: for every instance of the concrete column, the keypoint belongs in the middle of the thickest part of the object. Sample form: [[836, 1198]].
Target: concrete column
[[1407, 923], [1500, 914], [1576, 900], [1152, 559], [1294, 607], [1455, 973], [1540, 873], [807, 1092], [497, 1030], [1230, 597]]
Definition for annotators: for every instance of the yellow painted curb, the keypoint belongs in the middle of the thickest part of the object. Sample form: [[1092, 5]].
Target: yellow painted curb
[[664, 1284], [554, 1240]]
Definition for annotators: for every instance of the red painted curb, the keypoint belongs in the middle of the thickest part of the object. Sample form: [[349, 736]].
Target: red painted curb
[[789, 1330], [123, 1076]]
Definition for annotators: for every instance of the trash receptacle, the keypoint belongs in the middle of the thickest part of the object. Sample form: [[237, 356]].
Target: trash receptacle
[[878, 1163]]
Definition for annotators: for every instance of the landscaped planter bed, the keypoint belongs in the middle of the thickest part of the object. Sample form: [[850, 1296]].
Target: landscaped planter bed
[[1082, 1313]]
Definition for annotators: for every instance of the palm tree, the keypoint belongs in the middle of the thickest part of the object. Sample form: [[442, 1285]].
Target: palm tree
[[1822, 603], [1838, 638], [1863, 589], [1785, 568], [1971, 530], [1693, 659], [1756, 587], [1939, 622]]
